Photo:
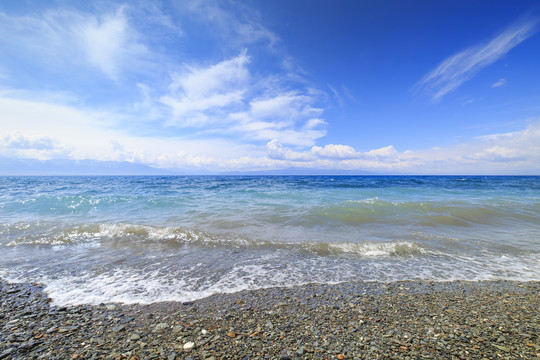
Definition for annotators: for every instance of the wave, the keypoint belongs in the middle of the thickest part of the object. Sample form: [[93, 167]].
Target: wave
[[423, 213], [133, 235], [395, 248]]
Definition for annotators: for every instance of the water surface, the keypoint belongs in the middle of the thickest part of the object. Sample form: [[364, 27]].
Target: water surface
[[147, 239]]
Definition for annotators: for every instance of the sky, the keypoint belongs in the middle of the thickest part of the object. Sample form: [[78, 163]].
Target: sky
[[382, 87]]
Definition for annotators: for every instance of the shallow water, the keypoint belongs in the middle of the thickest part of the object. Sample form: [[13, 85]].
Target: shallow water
[[147, 239]]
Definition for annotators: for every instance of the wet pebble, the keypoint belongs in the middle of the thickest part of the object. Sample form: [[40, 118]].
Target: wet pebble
[[403, 320]]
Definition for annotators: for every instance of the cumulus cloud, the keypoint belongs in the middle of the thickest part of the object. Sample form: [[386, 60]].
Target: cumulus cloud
[[202, 94], [276, 150], [33, 146], [460, 67], [288, 116], [498, 153], [506, 153], [79, 135], [225, 98], [20, 141], [387, 151], [219, 115], [332, 151]]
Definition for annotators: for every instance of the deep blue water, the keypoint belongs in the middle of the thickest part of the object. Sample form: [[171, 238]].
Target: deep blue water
[[145, 239]]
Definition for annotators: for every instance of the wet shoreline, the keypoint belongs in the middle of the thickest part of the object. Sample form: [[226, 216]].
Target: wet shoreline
[[353, 320]]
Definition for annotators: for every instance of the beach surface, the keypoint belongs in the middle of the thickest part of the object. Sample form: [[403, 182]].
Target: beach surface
[[352, 320]]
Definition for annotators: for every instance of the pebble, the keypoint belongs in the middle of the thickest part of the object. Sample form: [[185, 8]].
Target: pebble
[[402, 320], [161, 327]]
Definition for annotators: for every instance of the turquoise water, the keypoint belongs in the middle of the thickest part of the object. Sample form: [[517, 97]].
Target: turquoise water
[[147, 239]]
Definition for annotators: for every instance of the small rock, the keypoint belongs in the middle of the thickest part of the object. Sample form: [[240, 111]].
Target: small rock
[[6, 353], [178, 328], [161, 327], [126, 320], [503, 348], [134, 337], [118, 328], [29, 345], [189, 345]]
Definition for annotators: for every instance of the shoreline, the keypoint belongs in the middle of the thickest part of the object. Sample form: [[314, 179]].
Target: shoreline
[[354, 320]]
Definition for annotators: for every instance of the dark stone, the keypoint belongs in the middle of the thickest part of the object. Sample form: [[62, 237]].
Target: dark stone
[[30, 345], [6, 353], [126, 320]]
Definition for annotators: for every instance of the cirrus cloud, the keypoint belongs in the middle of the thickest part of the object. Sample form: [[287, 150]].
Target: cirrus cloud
[[460, 67]]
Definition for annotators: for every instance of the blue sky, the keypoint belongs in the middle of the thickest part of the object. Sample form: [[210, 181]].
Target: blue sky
[[425, 87]]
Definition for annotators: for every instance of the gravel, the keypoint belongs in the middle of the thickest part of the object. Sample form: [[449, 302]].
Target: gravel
[[356, 320]]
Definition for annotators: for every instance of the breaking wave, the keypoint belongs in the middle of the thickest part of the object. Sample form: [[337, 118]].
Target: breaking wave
[[133, 235]]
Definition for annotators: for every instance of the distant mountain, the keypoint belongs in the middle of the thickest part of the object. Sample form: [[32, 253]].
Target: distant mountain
[[302, 171], [10, 166]]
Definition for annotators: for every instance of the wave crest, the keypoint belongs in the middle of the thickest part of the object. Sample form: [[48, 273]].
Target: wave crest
[[122, 234]]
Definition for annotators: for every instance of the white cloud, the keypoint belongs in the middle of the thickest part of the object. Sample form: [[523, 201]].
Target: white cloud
[[44, 131], [17, 144], [17, 140], [458, 68], [243, 120], [498, 153], [225, 98], [387, 151], [275, 150], [59, 38], [239, 28], [508, 153], [335, 152], [83, 134], [109, 42], [197, 96], [499, 83], [286, 116]]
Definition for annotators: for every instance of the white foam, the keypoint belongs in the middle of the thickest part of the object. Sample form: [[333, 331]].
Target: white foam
[[371, 200], [129, 286], [366, 249]]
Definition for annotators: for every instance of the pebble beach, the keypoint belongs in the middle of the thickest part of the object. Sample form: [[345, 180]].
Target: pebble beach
[[352, 320]]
